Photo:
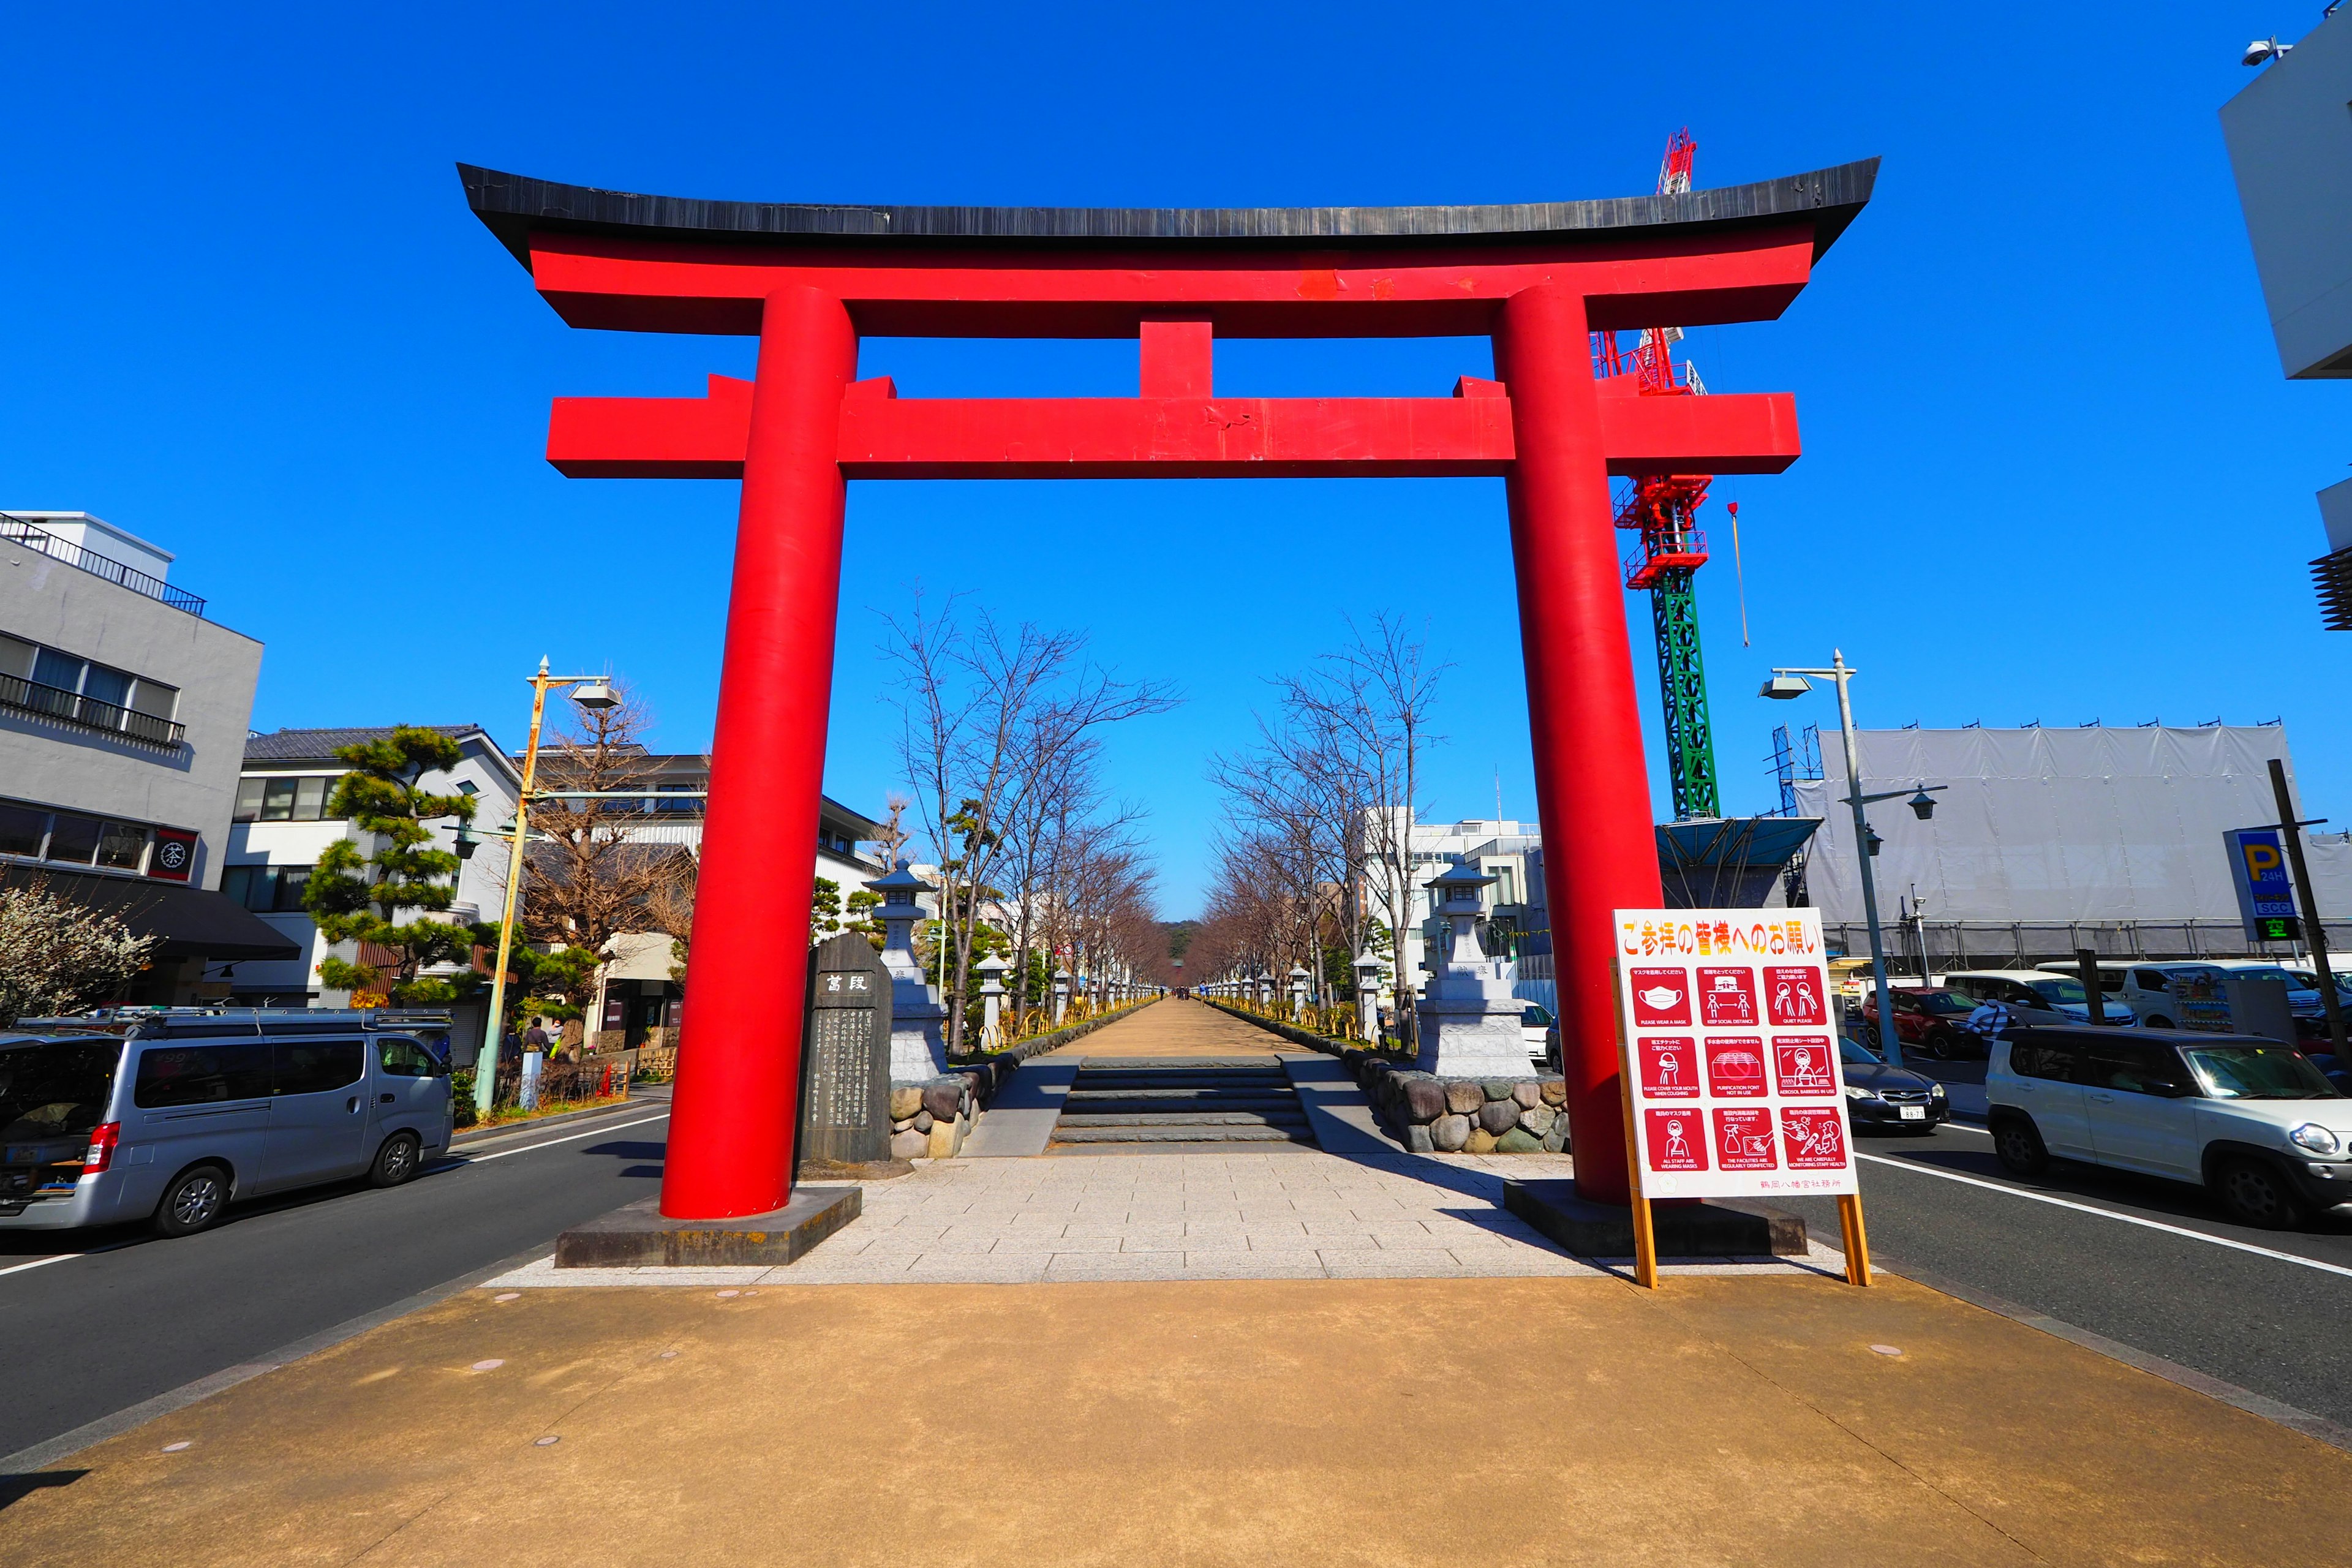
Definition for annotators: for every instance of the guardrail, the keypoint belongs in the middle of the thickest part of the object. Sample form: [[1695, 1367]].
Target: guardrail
[[34, 536], [56, 702]]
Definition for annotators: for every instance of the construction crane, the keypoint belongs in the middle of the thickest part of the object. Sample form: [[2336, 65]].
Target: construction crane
[[1661, 510]]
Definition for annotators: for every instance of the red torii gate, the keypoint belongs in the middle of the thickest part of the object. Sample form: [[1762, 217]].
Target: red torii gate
[[808, 280]]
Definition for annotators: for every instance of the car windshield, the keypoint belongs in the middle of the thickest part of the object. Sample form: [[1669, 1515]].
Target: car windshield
[[1535, 1018], [2258, 1072], [1856, 1055], [1944, 1002], [2059, 991], [56, 1088], [2306, 982]]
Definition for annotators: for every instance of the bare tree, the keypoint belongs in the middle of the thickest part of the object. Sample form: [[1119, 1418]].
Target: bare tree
[[590, 873], [991, 721]]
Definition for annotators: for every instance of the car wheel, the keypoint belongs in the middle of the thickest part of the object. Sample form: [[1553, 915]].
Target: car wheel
[[193, 1202], [2159, 1022], [395, 1162], [1937, 1046], [2254, 1193], [2018, 1144]]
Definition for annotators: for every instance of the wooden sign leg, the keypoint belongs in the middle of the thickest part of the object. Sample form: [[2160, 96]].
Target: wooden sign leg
[[1857, 1242], [1645, 1245]]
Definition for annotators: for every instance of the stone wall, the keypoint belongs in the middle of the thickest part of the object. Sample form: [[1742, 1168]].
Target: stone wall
[[931, 1120], [1433, 1115]]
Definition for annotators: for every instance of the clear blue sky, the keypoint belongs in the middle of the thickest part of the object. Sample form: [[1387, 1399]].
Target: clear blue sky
[[2052, 470]]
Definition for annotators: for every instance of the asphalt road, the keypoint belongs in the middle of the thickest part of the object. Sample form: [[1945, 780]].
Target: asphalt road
[[2274, 1325], [126, 1317]]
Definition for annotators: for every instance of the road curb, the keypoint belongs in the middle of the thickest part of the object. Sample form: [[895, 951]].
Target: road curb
[[509, 1129]]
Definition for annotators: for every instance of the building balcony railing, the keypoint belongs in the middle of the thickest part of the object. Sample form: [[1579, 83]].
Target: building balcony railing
[[34, 537], [89, 713]]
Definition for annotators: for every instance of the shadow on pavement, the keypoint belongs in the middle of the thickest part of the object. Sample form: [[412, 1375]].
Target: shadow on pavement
[[16, 1488]]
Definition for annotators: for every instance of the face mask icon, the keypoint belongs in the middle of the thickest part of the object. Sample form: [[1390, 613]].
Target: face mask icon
[[1661, 996]]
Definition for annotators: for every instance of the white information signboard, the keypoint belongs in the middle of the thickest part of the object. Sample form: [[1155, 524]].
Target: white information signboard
[[1730, 1048]]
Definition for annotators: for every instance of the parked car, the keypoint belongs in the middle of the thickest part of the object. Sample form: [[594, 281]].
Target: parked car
[[2177, 996], [169, 1117], [2032, 995], [2252, 1120], [1892, 1099], [1934, 1020]]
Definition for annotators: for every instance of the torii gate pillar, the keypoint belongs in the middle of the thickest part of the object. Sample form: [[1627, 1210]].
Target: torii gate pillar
[[808, 279]]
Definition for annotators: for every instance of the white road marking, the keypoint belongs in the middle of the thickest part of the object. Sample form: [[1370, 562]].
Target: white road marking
[[592, 1133], [2108, 1213], [40, 1263]]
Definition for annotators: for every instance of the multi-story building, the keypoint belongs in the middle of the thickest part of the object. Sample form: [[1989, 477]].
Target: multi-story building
[[123, 722], [1513, 923], [2287, 144], [281, 825]]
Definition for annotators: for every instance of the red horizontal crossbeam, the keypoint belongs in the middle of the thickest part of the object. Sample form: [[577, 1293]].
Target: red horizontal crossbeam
[[885, 436], [1662, 280]]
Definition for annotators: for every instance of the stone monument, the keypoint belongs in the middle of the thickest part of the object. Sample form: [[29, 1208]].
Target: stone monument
[[918, 1043], [846, 1072], [1469, 1021]]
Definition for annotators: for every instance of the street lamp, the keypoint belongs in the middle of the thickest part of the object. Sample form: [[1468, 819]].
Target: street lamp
[[595, 692], [1787, 684]]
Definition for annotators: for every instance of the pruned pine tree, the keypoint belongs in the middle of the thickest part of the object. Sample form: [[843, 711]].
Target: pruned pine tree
[[362, 898]]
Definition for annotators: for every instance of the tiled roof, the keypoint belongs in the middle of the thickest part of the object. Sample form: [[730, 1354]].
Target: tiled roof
[[305, 745]]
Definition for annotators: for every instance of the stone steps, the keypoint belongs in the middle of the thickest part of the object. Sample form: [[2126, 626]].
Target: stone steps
[[1199, 1101]]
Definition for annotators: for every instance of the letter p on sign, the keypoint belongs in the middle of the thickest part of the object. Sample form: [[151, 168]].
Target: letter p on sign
[[2261, 859]]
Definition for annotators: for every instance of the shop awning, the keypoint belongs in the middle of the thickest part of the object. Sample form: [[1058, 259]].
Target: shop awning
[[193, 923]]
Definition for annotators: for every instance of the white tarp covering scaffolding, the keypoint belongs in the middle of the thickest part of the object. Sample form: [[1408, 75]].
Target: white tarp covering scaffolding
[[2051, 826]]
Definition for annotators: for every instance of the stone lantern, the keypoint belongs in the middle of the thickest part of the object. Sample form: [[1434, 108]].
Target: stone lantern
[[1468, 1021], [1368, 998], [918, 1046], [991, 970], [1061, 995], [1297, 992]]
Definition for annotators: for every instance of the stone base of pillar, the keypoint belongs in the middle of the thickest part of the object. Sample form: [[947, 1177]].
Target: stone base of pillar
[[1472, 1037], [919, 1046]]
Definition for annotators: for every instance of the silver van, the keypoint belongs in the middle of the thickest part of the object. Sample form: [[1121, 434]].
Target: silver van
[[168, 1116]]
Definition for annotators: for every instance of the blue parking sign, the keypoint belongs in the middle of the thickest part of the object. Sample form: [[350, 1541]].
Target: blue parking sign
[[2265, 896]]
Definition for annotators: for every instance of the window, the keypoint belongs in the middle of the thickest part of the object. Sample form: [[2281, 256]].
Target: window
[[74, 840], [201, 1075], [155, 700], [287, 799], [2149, 978], [122, 847], [111, 687], [56, 1088], [63, 686], [2049, 1059], [61, 670], [15, 656], [22, 830], [406, 1058], [315, 1066], [2135, 1068], [266, 889]]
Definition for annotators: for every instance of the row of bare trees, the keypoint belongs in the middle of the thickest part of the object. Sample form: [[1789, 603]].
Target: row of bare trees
[[1316, 846], [1002, 732]]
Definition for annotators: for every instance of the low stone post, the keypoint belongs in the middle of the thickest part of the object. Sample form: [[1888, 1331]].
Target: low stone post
[[1297, 993], [1368, 999], [1061, 995]]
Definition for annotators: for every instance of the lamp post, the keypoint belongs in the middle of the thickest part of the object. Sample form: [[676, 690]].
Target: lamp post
[[1786, 685], [596, 693], [991, 970], [1297, 992]]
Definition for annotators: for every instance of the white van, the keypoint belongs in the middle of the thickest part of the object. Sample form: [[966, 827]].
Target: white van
[[180, 1113], [2032, 995], [2250, 1120]]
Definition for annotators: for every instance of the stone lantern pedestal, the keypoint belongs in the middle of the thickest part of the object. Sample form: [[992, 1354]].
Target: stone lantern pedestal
[[1469, 1021], [919, 1044]]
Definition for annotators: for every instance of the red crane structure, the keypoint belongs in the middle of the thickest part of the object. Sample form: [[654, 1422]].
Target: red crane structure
[[1662, 510]]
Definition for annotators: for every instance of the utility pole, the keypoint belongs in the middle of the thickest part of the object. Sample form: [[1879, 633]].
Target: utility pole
[[2290, 831]]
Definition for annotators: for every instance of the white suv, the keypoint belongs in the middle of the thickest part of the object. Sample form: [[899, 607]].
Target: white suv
[[2250, 1120]]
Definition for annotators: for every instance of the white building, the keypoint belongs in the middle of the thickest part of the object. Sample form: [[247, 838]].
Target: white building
[[1510, 852], [281, 827], [122, 722]]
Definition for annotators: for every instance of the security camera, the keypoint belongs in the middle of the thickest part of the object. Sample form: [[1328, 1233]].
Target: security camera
[[2263, 49]]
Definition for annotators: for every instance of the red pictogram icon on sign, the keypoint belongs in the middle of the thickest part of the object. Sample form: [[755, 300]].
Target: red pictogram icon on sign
[[1793, 995], [1677, 1139], [1669, 1066], [1660, 998], [1804, 1064], [1815, 1136], [1743, 1138], [1735, 1066], [1727, 998]]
